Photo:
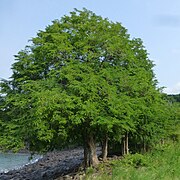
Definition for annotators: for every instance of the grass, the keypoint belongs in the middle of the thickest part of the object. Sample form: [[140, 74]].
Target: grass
[[161, 164]]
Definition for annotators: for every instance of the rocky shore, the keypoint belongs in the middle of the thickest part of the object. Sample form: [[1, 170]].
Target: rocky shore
[[53, 165]]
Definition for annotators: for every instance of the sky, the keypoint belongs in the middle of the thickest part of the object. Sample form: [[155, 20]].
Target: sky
[[156, 22]]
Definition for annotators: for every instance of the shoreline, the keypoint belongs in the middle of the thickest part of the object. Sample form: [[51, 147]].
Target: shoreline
[[51, 166], [24, 159]]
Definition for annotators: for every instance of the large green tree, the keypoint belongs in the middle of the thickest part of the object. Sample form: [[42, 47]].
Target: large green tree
[[82, 80]]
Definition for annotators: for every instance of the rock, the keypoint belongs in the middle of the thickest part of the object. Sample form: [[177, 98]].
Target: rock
[[54, 165], [51, 166]]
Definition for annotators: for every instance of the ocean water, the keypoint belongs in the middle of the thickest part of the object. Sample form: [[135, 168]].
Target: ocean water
[[9, 161]]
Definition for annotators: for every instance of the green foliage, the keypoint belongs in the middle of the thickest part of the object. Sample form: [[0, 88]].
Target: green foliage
[[82, 76], [135, 160], [173, 97], [162, 163]]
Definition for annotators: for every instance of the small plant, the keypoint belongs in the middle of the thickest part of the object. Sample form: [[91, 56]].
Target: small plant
[[135, 160], [89, 171]]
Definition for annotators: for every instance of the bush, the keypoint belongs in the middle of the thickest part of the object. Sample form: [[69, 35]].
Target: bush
[[135, 160]]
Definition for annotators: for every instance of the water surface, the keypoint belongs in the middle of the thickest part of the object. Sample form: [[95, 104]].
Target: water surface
[[9, 161]]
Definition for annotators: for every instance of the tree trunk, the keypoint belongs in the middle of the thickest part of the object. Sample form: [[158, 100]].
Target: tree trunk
[[86, 149], [86, 155], [144, 146], [126, 143], [93, 159], [123, 146], [105, 148]]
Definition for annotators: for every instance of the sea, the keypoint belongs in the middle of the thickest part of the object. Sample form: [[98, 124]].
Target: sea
[[10, 161]]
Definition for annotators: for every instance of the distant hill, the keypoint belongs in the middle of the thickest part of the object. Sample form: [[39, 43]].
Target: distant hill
[[174, 97]]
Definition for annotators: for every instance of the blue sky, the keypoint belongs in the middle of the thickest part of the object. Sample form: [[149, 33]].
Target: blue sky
[[156, 22]]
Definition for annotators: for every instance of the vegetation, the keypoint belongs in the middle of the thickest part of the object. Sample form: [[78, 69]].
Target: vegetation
[[173, 97], [162, 163], [84, 80]]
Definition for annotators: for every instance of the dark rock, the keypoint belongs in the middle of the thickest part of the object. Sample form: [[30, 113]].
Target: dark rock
[[51, 166]]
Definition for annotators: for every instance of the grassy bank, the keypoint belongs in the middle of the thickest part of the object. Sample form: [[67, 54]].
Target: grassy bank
[[162, 164]]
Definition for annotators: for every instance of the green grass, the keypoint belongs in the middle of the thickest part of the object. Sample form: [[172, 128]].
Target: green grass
[[161, 164]]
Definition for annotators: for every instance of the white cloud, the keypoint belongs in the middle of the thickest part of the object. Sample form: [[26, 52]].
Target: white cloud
[[173, 90]]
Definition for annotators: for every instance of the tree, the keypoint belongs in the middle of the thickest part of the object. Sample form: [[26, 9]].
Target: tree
[[173, 97], [80, 80]]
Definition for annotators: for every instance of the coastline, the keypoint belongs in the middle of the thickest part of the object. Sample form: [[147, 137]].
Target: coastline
[[51, 166], [14, 161]]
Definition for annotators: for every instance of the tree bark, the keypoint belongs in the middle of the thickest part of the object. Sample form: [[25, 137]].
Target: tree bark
[[105, 148], [86, 155], [123, 144], [86, 148], [93, 159], [126, 143]]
